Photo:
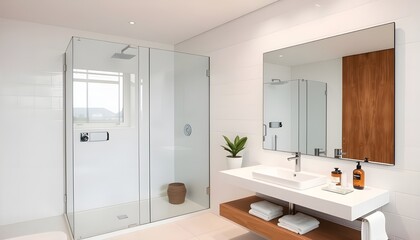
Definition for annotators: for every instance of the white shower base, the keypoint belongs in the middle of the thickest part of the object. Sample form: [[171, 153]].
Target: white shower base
[[103, 220]]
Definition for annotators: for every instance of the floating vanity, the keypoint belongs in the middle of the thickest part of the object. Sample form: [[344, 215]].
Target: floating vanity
[[350, 206], [237, 211]]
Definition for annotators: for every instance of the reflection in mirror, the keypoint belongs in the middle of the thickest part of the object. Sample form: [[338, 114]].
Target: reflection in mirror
[[295, 116], [281, 115], [312, 117], [333, 97]]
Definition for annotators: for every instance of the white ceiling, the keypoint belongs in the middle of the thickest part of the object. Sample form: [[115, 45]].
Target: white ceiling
[[164, 21]]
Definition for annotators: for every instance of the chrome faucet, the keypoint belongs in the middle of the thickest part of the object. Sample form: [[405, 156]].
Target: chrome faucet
[[297, 161]]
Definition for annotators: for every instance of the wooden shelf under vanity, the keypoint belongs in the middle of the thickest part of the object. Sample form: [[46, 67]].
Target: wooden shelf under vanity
[[237, 211]]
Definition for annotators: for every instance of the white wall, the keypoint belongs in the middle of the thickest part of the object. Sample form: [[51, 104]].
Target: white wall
[[236, 52], [31, 126]]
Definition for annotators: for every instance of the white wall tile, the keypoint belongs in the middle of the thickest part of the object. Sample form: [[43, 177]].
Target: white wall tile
[[239, 106], [412, 57], [402, 227], [411, 159], [391, 207], [235, 88], [392, 224], [233, 126], [408, 205]]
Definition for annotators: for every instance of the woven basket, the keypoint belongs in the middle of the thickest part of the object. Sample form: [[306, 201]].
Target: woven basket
[[176, 193]]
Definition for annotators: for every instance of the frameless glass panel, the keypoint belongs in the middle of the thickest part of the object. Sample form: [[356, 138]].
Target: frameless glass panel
[[144, 145], [80, 102], [179, 133], [192, 127], [69, 137], [106, 137]]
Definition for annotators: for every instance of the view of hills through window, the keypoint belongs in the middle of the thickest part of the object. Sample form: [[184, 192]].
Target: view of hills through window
[[97, 96]]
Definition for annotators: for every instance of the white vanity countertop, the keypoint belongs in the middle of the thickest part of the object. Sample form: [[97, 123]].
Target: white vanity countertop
[[350, 206]]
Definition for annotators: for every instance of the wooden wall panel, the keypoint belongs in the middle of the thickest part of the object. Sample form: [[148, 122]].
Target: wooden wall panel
[[368, 106]]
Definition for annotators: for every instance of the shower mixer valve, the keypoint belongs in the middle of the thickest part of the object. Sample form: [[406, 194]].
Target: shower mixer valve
[[84, 137]]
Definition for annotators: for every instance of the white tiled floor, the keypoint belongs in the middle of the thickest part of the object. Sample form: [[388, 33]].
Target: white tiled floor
[[198, 226], [205, 226]]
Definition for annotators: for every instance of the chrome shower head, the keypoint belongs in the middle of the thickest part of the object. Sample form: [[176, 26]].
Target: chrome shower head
[[123, 55]]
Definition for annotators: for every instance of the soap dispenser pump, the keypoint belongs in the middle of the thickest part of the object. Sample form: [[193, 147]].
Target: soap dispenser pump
[[358, 177]]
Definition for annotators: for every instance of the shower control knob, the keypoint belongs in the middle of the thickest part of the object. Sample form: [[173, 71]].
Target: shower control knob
[[187, 129], [84, 137]]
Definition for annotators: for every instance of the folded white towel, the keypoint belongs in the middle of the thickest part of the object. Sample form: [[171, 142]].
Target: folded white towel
[[299, 221], [263, 216], [276, 213], [373, 227], [266, 207], [300, 231]]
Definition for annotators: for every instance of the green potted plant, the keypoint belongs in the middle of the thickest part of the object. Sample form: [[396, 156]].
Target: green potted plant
[[234, 147]]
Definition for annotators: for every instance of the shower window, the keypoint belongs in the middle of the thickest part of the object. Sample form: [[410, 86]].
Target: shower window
[[98, 97]]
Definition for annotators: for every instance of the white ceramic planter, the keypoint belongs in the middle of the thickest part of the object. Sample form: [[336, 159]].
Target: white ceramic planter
[[234, 162]]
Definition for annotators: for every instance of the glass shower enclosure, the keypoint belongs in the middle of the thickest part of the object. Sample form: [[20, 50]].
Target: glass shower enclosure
[[137, 119]]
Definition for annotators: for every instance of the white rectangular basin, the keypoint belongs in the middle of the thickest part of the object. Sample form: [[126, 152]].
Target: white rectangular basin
[[288, 178]]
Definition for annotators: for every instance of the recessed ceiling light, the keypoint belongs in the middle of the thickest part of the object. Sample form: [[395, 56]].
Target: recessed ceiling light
[[131, 23], [317, 5]]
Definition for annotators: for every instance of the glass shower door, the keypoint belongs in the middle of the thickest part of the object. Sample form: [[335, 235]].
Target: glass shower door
[[179, 131], [105, 134]]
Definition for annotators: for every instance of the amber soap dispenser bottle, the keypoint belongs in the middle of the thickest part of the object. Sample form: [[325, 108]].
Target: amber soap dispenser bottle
[[358, 177]]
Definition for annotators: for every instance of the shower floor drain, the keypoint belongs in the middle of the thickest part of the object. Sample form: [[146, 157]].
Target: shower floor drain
[[121, 217]]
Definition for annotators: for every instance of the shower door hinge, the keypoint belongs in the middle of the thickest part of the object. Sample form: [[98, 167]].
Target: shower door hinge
[[64, 68], [208, 72], [208, 190]]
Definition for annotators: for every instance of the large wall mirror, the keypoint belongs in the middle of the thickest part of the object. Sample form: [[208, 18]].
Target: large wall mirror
[[333, 97]]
